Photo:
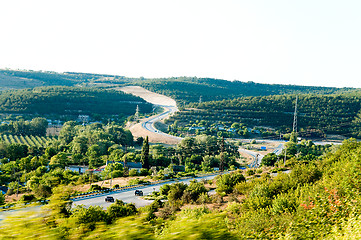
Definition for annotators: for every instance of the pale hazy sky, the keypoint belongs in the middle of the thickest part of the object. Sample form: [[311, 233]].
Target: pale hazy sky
[[303, 42]]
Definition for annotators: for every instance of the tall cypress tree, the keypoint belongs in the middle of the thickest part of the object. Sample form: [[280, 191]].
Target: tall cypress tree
[[145, 154]]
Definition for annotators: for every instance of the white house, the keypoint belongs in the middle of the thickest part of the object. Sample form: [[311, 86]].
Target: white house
[[79, 169]]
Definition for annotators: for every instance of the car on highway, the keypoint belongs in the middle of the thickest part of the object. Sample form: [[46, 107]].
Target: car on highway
[[109, 199], [138, 193]]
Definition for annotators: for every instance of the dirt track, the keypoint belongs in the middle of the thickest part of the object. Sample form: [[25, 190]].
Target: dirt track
[[154, 98]]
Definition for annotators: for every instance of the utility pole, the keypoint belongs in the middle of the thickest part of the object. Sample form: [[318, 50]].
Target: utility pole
[[200, 99], [295, 117], [136, 116], [111, 174], [284, 161], [125, 158], [221, 161]]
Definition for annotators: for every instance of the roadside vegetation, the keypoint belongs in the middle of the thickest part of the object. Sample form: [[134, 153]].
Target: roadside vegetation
[[319, 198]]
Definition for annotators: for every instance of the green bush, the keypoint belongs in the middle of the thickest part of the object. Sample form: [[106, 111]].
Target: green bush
[[163, 190], [144, 172], [136, 181], [249, 172], [269, 160], [27, 198], [95, 187], [133, 172], [119, 209], [226, 182], [176, 192]]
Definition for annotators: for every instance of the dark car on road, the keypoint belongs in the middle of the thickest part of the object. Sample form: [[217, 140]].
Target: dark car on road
[[109, 199], [138, 193]]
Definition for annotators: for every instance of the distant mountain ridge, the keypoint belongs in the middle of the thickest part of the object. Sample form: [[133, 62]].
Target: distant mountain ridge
[[184, 90]]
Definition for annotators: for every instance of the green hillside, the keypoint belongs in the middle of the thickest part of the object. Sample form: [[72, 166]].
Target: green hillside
[[70, 101], [194, 90], [184, 90], [335, 113]]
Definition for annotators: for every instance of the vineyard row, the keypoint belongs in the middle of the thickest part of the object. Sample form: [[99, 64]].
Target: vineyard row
[[27, 140]]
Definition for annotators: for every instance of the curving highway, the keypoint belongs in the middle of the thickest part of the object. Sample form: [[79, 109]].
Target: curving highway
[[148, 124], [128, 196]]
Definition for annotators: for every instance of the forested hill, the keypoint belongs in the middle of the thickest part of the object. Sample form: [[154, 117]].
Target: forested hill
[[334, 113], [184, 90], [190, 90], [70, 101]]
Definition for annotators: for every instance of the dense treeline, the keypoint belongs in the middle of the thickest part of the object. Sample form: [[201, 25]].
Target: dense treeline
[[35, 127], [338, 113], [70, 101], [184, 90], [192, 90]]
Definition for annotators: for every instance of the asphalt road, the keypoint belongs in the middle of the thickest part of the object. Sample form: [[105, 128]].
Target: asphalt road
[[128, 196], [149, 124], [258, 157]]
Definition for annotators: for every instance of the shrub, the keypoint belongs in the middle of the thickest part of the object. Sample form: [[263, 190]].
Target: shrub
[[2, 198], [249, 172], [283, 203], [176, 191], [193, 191], [95, 187], [226, 182], [119, 209], [164, 189], [169, 209], [204, 198], [144, 172], [133, 172], [269, 160], [136, 181], [89, 216], [27, 198]]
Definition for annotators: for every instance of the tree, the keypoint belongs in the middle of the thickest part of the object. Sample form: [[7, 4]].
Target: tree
[[93, 154], [79, 145], [16, 151], [2, 198], [145, 154], [226, 182], [113, 169], [59, 160], [293, 137], [269, 160], [67, 132], [38, 126]]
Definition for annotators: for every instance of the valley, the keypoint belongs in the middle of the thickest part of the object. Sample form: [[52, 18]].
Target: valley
[[200, 150]]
